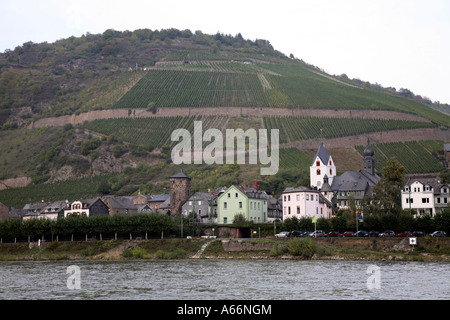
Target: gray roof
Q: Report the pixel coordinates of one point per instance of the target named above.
(180, 175)
(205, 196)
(159, 197)
(354, 181)
(121, 203)
(299, 189)
(425, 180)
(322, 153)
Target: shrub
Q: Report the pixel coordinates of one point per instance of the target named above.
(304, 247)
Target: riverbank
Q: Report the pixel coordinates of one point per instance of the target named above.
(372, 249)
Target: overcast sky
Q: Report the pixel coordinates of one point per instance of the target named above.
(398, 43)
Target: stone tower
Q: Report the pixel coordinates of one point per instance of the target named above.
(180, 191)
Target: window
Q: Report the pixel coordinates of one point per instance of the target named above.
(224, 205)
(240, 204)
(236, 195)
(298, 209)
(318, 172)
(289, 198)
(289, 210)
(199, 203)
(199, 211)
(307, 196)
(318, 163)
(298, 197)
(331, 171)
(190, 203)
(224, 220)
(445, 200)
(284, 198)
(331, 163)
(438, 200)
(425, 200)
(229, 195)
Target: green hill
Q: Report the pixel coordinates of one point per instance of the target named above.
(162, 72)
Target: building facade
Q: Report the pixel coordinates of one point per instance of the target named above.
(425, 195)
(250, 203)
(303, 202)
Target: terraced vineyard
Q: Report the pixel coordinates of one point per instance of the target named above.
(413, 155)
(170, 88)
(294, 158)
(155, 132)
(302, 128)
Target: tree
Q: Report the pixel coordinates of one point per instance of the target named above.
(386, 194)
(394, 172)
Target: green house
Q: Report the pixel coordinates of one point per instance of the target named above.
(250, 203)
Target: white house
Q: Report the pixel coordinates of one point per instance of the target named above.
(322, 165)
(425, 195)
(303, 202)
(418, 195)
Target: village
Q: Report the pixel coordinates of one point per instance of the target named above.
(327, 194)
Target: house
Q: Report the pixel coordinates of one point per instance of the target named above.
(120, 205)
(248, 202)
(203, 205)
(441, 197)
(88, 207)
(425, 194)
(4, 212)
(157, 200)
(304, 202)
(274, 209)
(141, 199)
(33, 210)
(35, 207)
(447, 153)
(53, 210)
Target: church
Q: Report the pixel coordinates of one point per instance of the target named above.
(351, 184)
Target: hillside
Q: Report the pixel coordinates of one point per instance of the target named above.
(99, 104)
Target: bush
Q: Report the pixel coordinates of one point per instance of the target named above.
(304, 247)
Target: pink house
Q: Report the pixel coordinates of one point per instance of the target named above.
(304, 202)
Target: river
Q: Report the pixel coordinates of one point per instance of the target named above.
(220, 279)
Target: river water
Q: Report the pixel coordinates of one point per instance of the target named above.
(221, 279)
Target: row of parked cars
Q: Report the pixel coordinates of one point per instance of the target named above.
(360, 233)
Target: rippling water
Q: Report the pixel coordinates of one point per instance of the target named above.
(223, 279)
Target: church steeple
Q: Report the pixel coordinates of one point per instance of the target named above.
(369, 160)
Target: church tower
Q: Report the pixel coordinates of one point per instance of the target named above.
(180, 191)
(322, 165)
(369, 159)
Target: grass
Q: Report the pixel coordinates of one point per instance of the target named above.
(296, 248)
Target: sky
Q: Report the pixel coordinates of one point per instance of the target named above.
(396, 43)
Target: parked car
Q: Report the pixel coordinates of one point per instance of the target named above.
(404, 234)
(332, 234)
(438, 234)
(418, 234)
(283, 234)
(387, 233)
(347, 234)
(361, 233)
(374, 233)
(317, 233)
(296, 233)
